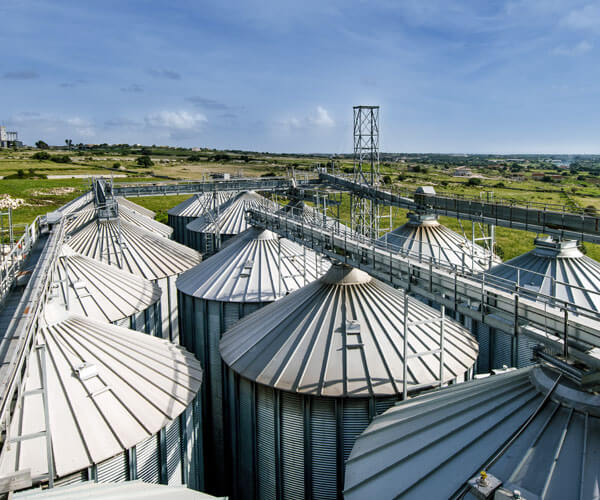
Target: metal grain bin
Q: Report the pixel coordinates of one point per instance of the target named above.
(556, 273)
(140, 252)
(307, 374)
(82, 217)
(192, 208)
(431, 446)
(208, 233)
(120, 405)
(424, 238)
(253, 269)
(90, 288)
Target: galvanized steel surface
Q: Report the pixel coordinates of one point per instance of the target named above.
(132, 248)
(138, 384)
(428, 447)
(113, 491)
(230, 218)
(256, 266)
(125, 203)
(96, 290)
(554, 269)
(200, 203)
(341, 336)
(423, 237)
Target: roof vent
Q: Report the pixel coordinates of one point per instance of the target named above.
(86, 371)
(352, 327)
(247, 268)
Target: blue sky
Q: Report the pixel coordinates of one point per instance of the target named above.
(282, 76)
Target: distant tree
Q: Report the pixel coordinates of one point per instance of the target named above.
(386, 179)
(193, 158)
(474, 181)
(41, 145)
(145, 161)
(61, 159)
(546, 178)
(499, 185)
(590, 210)
(41, 155)
(145, 152)
(69, 143)
(21, 173)
(116, 164)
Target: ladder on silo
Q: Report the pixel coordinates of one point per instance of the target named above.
(432, 352)
(13, 481)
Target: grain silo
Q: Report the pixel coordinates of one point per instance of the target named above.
(126, 203)
(82, 217)
(140, 252)
(307, 373)
(208, 233)
(189, 210)
(120, 405)
(253, 269)
(556, 273)
(525, 432)
(87, 287)
(423, 238)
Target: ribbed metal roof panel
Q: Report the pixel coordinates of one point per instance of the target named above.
(342, 336)
(247, 269)
(428, 447)
(142, 383)
(425, 238)
(97, 290)
(298, 208)
(126, 214)
(132, 248)
(230, 218)
(553, 268)
(114, 491)
(125, 203)
(200, 203)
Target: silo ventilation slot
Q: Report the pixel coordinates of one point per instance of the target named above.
(86, 371)
(352, 327)
(247, 268)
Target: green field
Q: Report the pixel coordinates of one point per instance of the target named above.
(27, 181)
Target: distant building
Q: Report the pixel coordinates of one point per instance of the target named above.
(462, 172)
(8, 139)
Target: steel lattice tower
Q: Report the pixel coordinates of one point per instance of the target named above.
(364, 212)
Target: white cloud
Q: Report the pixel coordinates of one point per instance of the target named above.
(319, 117)
(180, 120)
(586, 18)
(580, 48)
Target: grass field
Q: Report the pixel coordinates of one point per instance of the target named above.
(41, 195)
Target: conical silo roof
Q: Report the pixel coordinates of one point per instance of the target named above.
(125, 203)
(556, 269)
(429, 446)
(230, 218)
(298, 208)
(82, 217)
(423, 237)
(109, 388)
(341, 336)
(247, 269)
(200, 203)
(132, 248)
(96, 290)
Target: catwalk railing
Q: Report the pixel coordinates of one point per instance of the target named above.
(545, 218)
(192, 187)
(458, 286)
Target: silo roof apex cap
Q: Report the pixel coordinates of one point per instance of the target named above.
(341, 274)
(549, 247)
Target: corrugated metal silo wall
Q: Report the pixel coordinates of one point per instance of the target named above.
(206, 243)
(146, 321)
(178, 224)
(173, 456)
(169, 312)
(496, 348)
(290, 446)
(202, 324)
